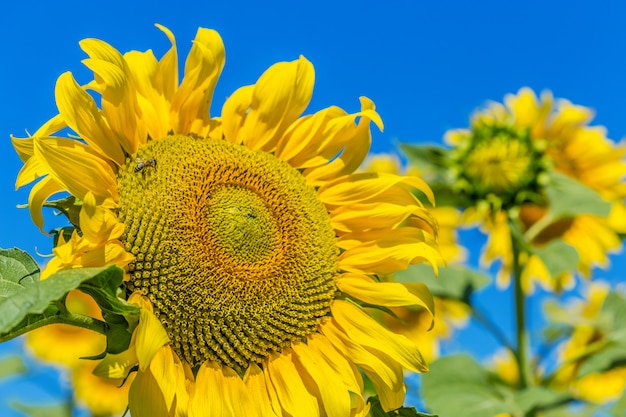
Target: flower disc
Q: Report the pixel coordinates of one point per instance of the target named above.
(232, 247)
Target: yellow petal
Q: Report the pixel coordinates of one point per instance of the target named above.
(145, 398)
(32, 169)
(237, 395)
(151, 336)
(359, 217)
(340, 364)
(119, 104)
(365, 331)
(388, 294)
(283, 378)
(23, 147)
(76, 168)
(167, 76)
(334, 395)
(524, 107)
(97, 223)
(307, 136)
(234, 113)
(165, 373)
(204, 64)
(257, 389)
(359, 188)
(386, 252)
(39, 194)
(355, 151)
(80, 112)
(280, 95)
(211, 395)
(384, 371)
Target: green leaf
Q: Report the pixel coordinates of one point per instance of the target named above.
(32, 301)
(453, 282)
(613, 355)
(428, 159)
(568, 198)
(457, 386)
(53, 410)
(538, 397)
(376, 410)
(17, 270)
(11, 365)
(558, 257)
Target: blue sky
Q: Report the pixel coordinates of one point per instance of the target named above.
(426, 64)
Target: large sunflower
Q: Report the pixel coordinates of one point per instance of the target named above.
(502, 157)
(249, 241)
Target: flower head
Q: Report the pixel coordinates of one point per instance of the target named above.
(503, 160)
(250, 242)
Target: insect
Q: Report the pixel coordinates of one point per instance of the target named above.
(143, 163)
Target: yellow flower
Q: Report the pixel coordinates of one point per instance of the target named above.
(248, 239)
(504, 365)
(588, 336)
(557, 135)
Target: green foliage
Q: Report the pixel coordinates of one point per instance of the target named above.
(558, 257)
(376, 410)
(54, 410)
(568, 198)
(11, 365)
(28, 303)
(452, 282)
(456, 385)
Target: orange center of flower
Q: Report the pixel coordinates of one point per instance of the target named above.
(232, 247)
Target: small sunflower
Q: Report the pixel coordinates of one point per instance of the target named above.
(590, 329)
(250, 242)
(503, 159)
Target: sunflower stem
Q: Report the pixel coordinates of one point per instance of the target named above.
(71, 319)
(522, 336)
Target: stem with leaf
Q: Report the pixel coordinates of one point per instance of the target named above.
(66, 317)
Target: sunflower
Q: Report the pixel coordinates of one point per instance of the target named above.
(503, 159)
(591, 327)
(250, 242)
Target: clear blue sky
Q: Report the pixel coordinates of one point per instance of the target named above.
(426, 64)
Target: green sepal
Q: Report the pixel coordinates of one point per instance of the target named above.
(376, 410)
(69, 206)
